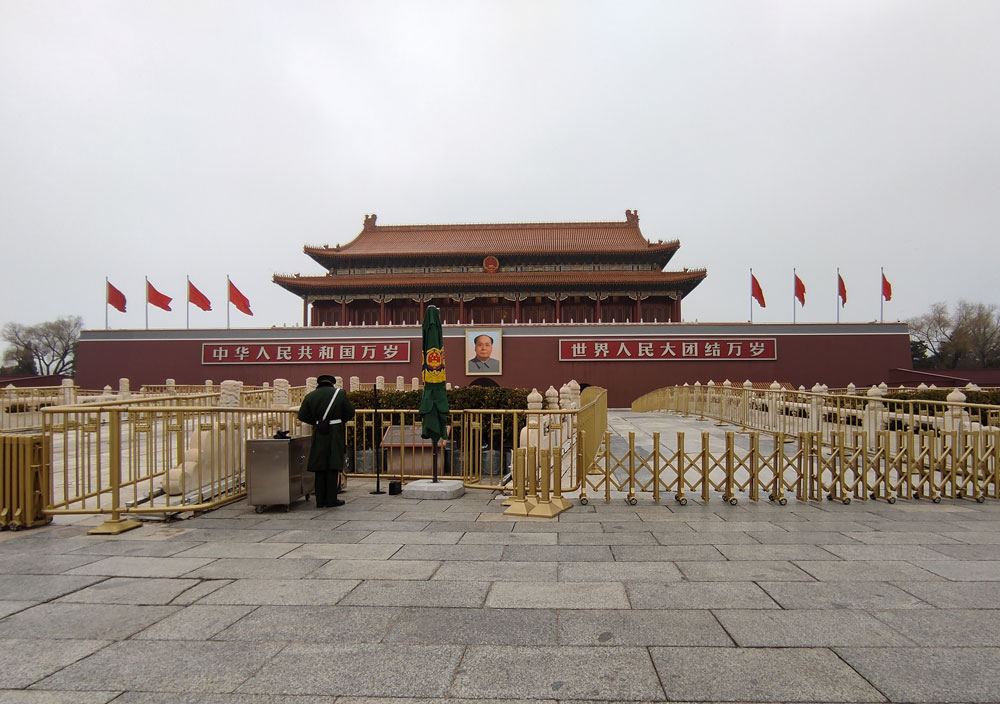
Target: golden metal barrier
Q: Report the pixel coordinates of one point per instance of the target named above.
(23, 481)
(851, 466)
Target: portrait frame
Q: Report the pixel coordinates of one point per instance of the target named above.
(496, 337)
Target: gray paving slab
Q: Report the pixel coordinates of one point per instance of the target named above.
(805, 537)
(241, 550)
(510, 538)
(929, 674)
(37, 588)
(201, 666)
(86, 621)
(954, 595)
(216, 535)
(24, 662)
(410, 537)
(279, 592)
(29, 563)
(197, 622)
(699, 595)
(337, 670)
(23, 696)
(641, 627)
(845, 595)
(125, 566)
(899, 537)
(376, 569)
(557, 595)
(416, 593)
(136, 548)
(868, 570)
(636, 538)
(788, 551)
(884, 552)
(12, 607)
(477, 553)
(557, 553)
(759, 675)
(320, 535)
(962, 552)
(258, 568)
(684, 537)
(619, 674)
(498, 571)
(619, 572)
(317, 624)
(205, 698)
(665, 553)
(461, 626)
(341, 551)
(130, 590)
(751, 571)
(808, 628)
(945, 627)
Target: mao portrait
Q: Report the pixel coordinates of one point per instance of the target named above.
(483, 352)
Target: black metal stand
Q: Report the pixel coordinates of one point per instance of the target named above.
(377, 445)
(435, 460)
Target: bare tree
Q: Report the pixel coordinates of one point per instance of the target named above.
(968, 338)
(51, 345)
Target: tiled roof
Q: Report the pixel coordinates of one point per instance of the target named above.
(499, 281)
(497, 239)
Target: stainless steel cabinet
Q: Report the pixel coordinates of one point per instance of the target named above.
(276, 472)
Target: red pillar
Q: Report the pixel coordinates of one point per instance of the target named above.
(558, 310)
(305, 311)
(517, 310)
(638, 309)
(343, 312)
(597, 309)
(381, 312)
(461, 310)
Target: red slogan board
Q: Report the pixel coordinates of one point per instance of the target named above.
(305, 352)
(661, 348)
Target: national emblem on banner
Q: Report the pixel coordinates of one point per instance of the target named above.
(433, 371)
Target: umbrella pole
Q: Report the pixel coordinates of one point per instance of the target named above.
(435, 460)
(377, 444)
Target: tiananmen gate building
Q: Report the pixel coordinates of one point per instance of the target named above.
(590, 301)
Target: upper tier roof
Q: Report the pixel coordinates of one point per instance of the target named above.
(496, 239)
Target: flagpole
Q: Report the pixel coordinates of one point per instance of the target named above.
(147, 303)
(881, 296)
(751, 294)
(106, 282)
(229, 300)
(793, 295)
(838, 294)
(188, 307)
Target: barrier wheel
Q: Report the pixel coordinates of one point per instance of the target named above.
(846, 500)
(13, 527)
(632, 501)
(782, 501)
(936, 499)
(872, 496)
(584, 501)
(258, 509)
(733, 501)
(980, 499)
(681, 500)
(770, 497)
(891, 499)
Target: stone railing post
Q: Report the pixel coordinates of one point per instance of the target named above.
(338, 381)
(415, 384)
(311, 384)
(872, 419)
(355, 383)
(552, 399)
(956, 418)
(400, 383)
(380, 383)
(816, 406)
(229, 393)
(280, 399)
(67, 392)
(773, 403)
(123, 392)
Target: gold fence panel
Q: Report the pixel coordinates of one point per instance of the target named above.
(23, 481)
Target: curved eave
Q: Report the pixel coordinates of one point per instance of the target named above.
(684, 281)
(332, 258)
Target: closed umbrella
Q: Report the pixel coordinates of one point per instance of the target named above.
(434, 401)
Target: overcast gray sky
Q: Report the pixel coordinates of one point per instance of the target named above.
(210, 137)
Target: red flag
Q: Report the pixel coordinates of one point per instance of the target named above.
(241, 302)
(756, 291)
(886, 288)
(197, 297)
(115, 297)
(160, 300)
(800, 290)
(841, 290)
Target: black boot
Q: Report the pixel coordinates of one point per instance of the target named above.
(335, 502)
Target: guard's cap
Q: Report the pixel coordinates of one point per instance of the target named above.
(326, 379)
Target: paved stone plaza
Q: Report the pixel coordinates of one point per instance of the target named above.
(389, 599)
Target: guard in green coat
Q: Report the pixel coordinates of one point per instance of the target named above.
(327, 409)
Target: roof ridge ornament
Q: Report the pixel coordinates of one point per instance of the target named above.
(632, 217)
(370, 221)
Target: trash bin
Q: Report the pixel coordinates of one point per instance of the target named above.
(276, 472)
